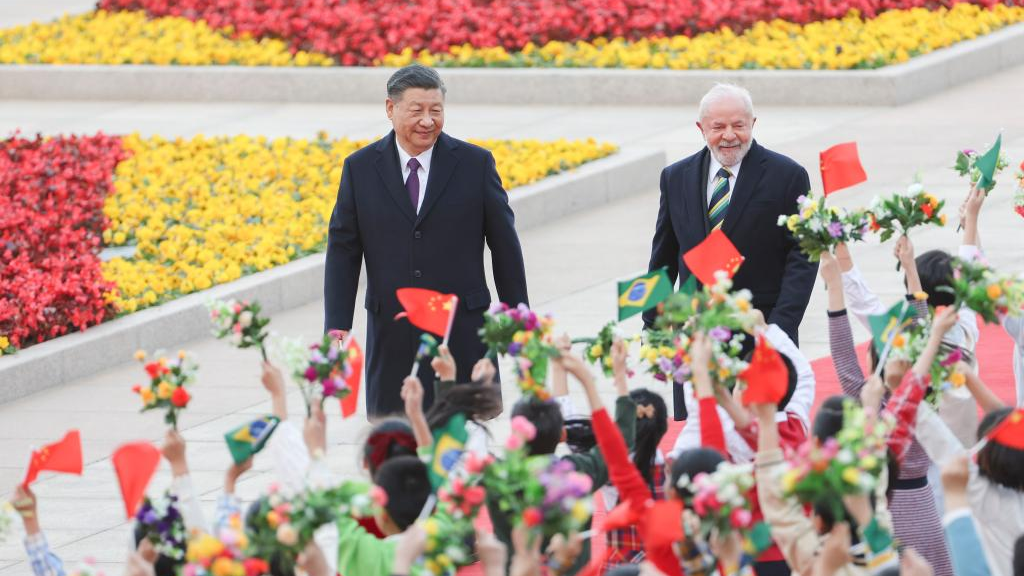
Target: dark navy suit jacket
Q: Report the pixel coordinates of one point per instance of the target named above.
(441, 248)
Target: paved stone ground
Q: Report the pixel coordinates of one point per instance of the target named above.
(571, 264)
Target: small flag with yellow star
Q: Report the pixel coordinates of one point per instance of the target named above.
(62, 456)
(428, 310)
(247, 440)
(643, 293)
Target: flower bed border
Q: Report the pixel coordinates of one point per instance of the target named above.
(81, 354)
(893, 85)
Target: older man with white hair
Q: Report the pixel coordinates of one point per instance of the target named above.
(736, 185)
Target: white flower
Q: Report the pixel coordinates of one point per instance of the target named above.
(245, 319)
(782, 220)
(236, 339)
(683, 482)
(845, 456)
(915, 188)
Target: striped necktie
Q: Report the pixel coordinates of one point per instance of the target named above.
(719, 198)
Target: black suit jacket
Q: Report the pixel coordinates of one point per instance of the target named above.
(775, 270)
(441, 248)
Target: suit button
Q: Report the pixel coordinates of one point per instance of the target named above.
(417, 273)
(417, 235)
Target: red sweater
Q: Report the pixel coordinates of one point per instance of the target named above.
(630, 484)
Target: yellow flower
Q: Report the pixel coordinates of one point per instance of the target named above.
(789, 480)
(742, 304)
(942, 219)
(164, 390)
(792, 222)
(147, 396)
(580, 512)
(899, 341)
(994, 291)
(869, 462)
(667, 352)
(4, 343)
(140, 355)
(852, 476)
(957, 379)
(226, 567)
(920, 295)
(430, 527)
(596, 350)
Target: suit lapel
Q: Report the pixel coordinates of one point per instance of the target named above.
(442, 165)
(750, 175)
(694, 213)
(391, 175)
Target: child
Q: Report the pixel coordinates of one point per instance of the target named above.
(42, 559)
(916, 520)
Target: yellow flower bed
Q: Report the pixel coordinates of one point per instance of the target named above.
(206, 211)
(131, 38)
(851, 42)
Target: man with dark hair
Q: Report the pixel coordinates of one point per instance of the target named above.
(418, 206)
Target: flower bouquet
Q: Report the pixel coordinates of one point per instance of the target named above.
(450, 528)
(598, 350)
(544, 494)
(167, 382)
(989, 293)
(966, 165)
(240, 323)
(161, 523)
(324, 371)
(226, 553)
(522, 334)
(666, 356)
(899, 213)
(908, 345)
(282, 526)
(819, 228)
(850, 463)
(722, 499)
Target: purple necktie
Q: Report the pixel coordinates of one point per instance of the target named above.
(412, 184)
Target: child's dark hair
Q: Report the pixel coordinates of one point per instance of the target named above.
(829, 421)
(579, 435)
(649, 431)
(1000, 464)
(546, 417)
(388, 439)
(935, 267)
(404, 479)
(692, 462)
(474, 401)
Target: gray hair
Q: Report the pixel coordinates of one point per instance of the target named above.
(720, 91)
(414, 76)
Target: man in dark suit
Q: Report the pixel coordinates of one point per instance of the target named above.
(739, 186)
(418, 205)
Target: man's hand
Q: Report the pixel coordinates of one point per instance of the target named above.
(174, 451)
(24, 502)
(315, 431)
(339, 336)
(954, 482)
(234, 473)
(443, 364)
(412, 393)
(484, 371)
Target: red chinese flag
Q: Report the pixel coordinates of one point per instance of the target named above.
(63, 456)
(663, 523)
(841, 168)
(1010, 432)
(715, 253)
(426, 309)
(350, 403)
(766, 377)
(135, 463)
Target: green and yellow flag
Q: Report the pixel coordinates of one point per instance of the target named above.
(248, 439)
(643, 293)
(886, 325)
(449, 443)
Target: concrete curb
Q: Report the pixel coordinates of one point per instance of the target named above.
(893, 85)
(59, 361)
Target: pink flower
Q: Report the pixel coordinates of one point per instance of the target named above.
(740, 518)
(379, 496)
(311, 373)
(237, 328)
(474, 464)
(532, 517)
(514, 442)
(475, 495)
(523, 427)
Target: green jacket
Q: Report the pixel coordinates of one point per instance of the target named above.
(590, 463)
(361, 553)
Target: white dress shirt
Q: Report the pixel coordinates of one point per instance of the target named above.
(423, 171)
(713, 168)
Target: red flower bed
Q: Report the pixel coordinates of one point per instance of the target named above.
(356, 32)
(51, 225)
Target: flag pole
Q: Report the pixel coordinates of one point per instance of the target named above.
(415, 366)
(451, 320)
(888, 343)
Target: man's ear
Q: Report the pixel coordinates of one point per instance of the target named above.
(752, 122)
(700, 128)
(389, 108)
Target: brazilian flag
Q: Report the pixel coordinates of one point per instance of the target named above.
(248, 439)
(643, 293)
(449, 443)
(885, 326)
